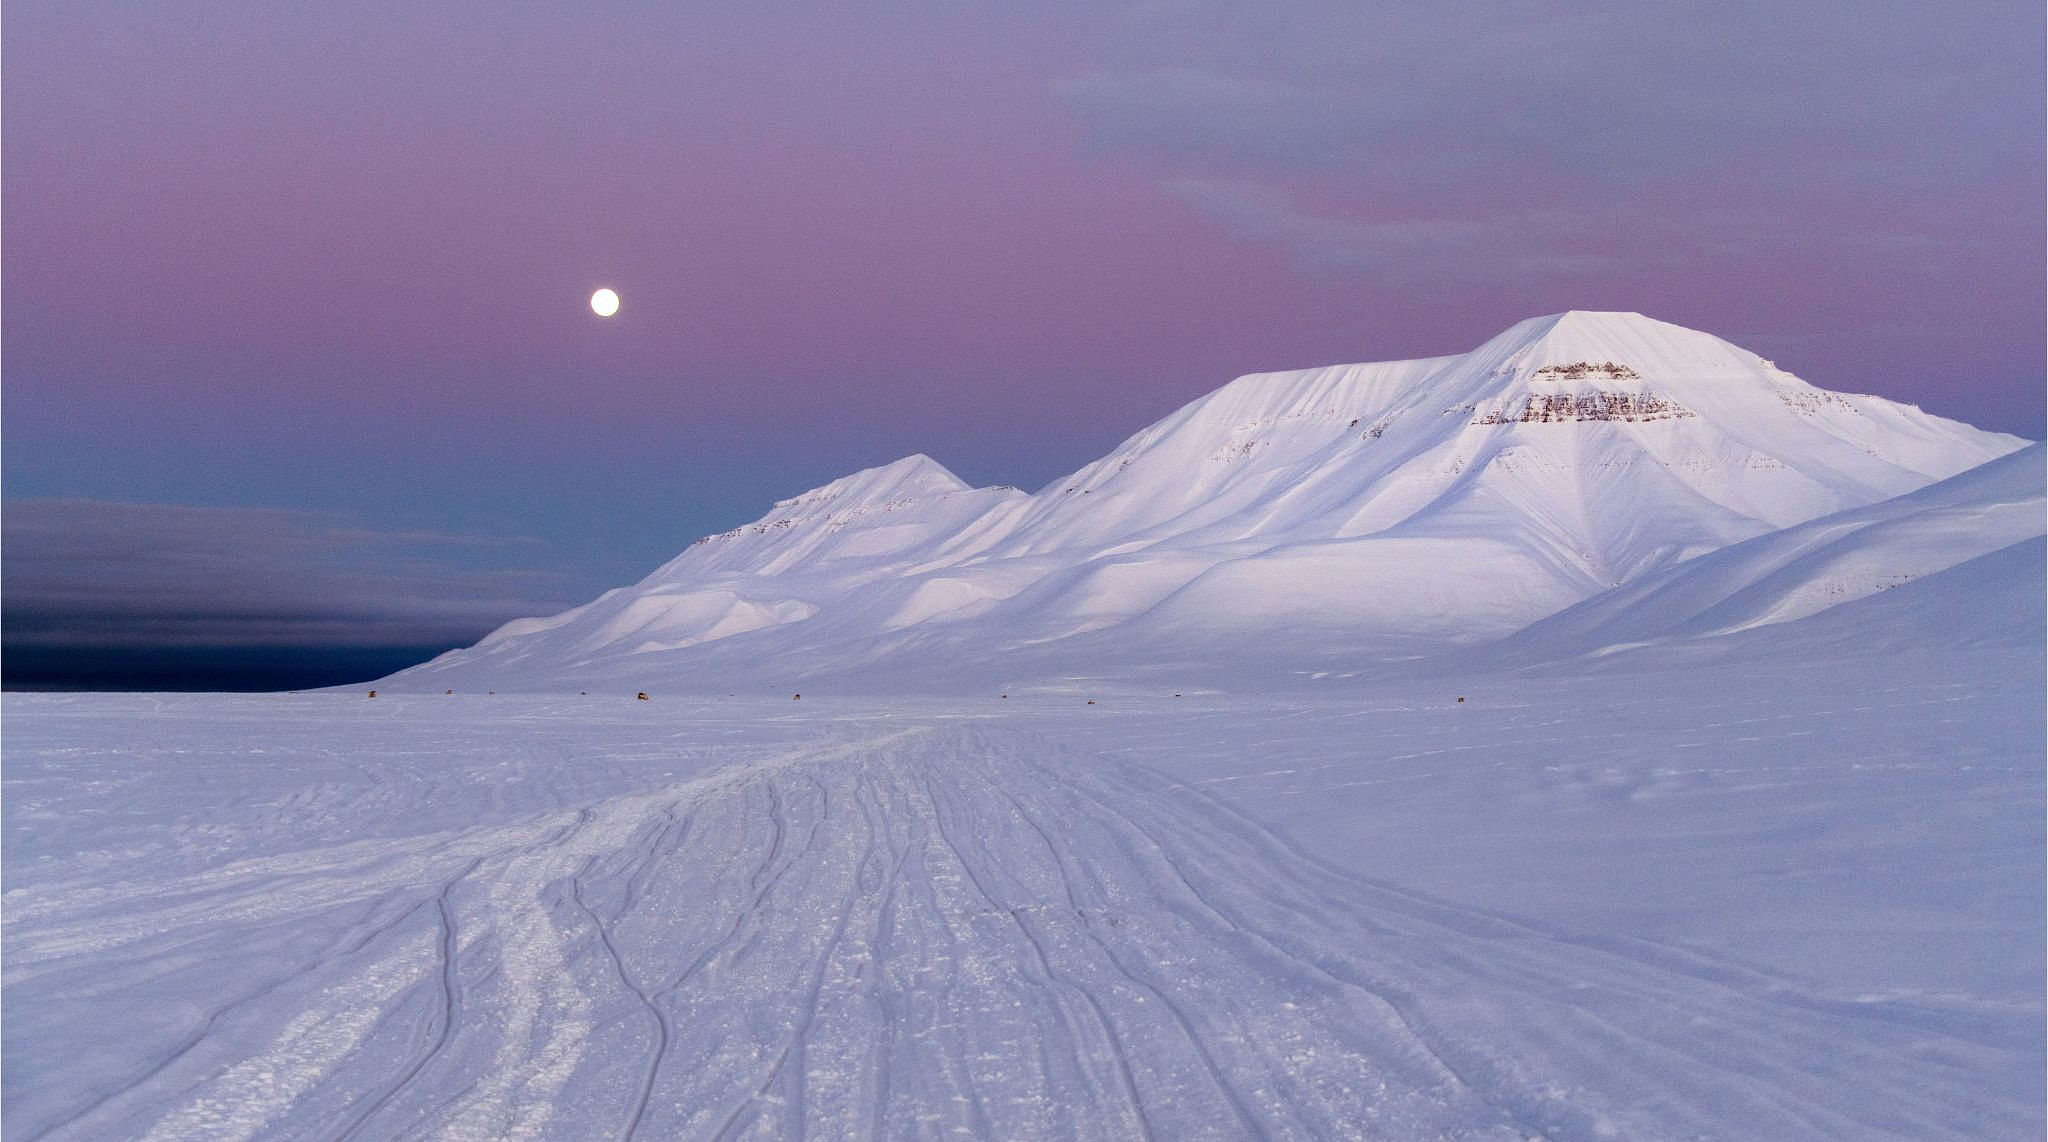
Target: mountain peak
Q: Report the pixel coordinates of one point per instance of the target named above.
(1587, 325)
(913, 477)
(1605, 315)
(1610, 345)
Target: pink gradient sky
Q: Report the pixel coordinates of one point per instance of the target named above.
(336, 258)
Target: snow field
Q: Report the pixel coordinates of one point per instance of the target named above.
(322, 916)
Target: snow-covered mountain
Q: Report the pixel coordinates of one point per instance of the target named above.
(1294, 519)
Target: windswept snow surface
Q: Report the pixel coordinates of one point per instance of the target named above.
(1782, 901)
(1307, 520)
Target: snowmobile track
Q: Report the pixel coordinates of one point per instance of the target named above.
(943, 931)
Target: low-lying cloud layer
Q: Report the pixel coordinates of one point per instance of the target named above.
(91, 574)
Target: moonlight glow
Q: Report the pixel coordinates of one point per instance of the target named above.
(604, 303)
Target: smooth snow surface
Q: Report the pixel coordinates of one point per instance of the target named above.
(1782, 901)
(1789, 575)
(1301, 521)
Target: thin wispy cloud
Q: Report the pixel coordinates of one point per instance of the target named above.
(1542, 133)
(1471, 249)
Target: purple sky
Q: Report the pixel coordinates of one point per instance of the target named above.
(333, 259)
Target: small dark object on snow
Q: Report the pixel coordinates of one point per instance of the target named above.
(1176, 695)
(451, 691)
(796, 698)
(373, 693)
(1461, 701)
(1091, 701)
(642, 695)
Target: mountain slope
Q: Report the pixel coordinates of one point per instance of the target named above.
(1310, 516)
(874, 525)
(1790, 575)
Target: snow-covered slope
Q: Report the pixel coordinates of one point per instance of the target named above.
(1359, 510)
(1814, 567)
(875, 525)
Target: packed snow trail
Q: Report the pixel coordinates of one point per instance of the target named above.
(937, 930)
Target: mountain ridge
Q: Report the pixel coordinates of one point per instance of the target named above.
(1323, 513)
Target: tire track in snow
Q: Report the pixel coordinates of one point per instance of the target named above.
(1649, 1040)
(243, 1100)
(946, 930)
(1117, 1054)
(447, 945)
(662, 1033)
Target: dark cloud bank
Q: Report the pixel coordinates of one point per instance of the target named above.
(99, 595)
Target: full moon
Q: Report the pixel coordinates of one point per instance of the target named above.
(604, 303)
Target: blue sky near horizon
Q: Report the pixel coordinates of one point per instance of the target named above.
(294, 302)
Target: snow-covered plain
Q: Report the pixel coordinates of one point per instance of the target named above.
(1795, 900)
